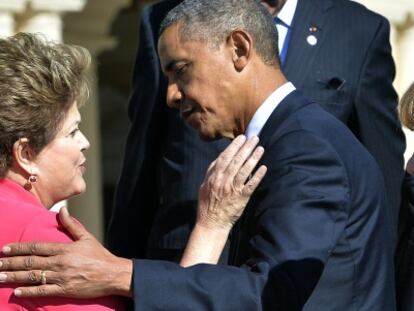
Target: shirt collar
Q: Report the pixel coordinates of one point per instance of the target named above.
(287, 13)
(263, 113)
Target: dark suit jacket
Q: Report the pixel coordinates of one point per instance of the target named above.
(315, 234)
(349, 72)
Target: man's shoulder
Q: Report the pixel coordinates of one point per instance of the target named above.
(353, 10)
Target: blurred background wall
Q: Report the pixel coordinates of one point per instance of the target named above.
(109, 29)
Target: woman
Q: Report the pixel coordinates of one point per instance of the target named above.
(42, 162)
(41, 150)
(404, 257)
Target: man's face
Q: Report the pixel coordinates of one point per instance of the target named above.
(201, 83)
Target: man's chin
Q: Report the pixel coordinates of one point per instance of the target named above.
(207, 137)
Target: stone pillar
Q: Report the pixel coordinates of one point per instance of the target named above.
(406, 77)
(45, 16)
(47, 23)
(7, 11)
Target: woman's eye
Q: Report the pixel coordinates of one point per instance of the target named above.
(73, 133)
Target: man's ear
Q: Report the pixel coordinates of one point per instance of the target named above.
(23, 155)
(242, 48)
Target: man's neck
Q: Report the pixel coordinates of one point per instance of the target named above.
(261, 88)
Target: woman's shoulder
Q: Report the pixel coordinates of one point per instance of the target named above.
(20, 218)
(46, 227)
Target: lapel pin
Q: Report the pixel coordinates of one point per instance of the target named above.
(313, 29)
(312, 40)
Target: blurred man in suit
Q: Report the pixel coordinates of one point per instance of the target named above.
(335, 51)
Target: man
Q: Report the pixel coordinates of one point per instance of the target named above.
(336, 52)
(315, 235)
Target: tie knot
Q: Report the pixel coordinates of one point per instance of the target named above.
(278, 21)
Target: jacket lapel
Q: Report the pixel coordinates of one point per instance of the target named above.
(306, 38)
(286, 107)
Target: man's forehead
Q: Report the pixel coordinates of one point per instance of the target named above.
(169, 43)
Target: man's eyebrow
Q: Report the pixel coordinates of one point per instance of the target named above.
(172, 65)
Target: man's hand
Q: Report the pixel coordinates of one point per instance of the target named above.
(82, 269)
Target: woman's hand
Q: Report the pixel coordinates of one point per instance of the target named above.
(223, 196)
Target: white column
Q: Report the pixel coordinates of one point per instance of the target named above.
(6, 24)
(47, 23)
(405, 75)
(7, 10)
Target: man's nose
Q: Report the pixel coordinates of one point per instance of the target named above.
(174, 96)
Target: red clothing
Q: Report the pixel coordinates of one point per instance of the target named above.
(23, 219)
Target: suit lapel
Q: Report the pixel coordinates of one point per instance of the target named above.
(300, 54)
(286, 107)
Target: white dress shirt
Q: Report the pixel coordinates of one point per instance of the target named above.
(262, 114)
(286, 16)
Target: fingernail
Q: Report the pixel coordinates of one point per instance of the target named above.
(6, 249)
(241, 137)
(255, 138)
(17, 292)
(3, 277)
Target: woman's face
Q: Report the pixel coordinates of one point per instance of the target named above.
(61, 164)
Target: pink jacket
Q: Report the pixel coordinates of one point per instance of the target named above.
(23, 219)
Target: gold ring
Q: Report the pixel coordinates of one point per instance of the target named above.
(42, 277)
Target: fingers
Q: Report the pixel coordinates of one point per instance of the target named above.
(25, 263)
(240, 158)
(252, 184)
(228, 154)
(29, 277)
(32, 248)
(243, 173)
(51, 290)
(76, 230)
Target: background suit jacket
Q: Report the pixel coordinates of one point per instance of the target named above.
(315, 234)
(164, 163)
(349, 72)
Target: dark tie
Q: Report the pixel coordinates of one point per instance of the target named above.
(283, 51)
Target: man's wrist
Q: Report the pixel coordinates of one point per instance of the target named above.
(122, 283)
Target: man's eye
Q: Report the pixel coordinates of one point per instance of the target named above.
(181, 69)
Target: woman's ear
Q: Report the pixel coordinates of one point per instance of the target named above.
(23, 155)
(242, 45)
